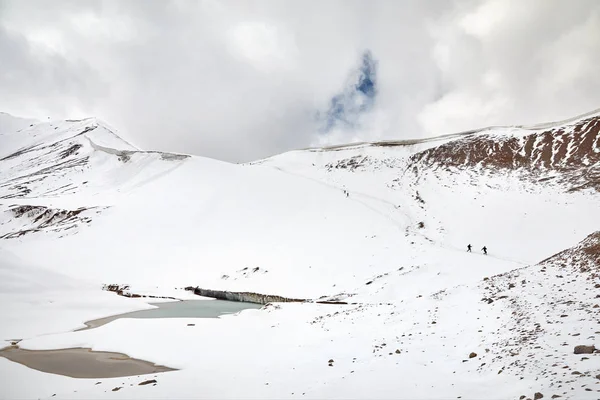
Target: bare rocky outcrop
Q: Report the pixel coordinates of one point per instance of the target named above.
(248, 297)
(45, 219)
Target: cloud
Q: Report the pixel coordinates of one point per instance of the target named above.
(35, 80)
(356, 99)
(510, 62)
(241, 80)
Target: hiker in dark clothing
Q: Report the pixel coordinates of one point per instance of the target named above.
(484, 250)
(468, 248)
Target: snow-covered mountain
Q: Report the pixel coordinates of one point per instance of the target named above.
(382, 226)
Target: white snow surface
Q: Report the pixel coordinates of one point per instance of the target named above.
(10, 123)
(394, 248)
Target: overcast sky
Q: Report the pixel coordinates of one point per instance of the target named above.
(241, 80)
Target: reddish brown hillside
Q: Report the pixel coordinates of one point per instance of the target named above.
(570, 153)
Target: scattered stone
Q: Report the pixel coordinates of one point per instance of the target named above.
(191, 324)
(537, 396)
(584, 349)
(472, 355)
(398, 351)
(147, 382)
(117, 389)
(97, 383)
(556, 396)
(368, 283)
(575, 373)
(522, 397)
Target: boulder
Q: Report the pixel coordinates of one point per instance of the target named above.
(584, 349)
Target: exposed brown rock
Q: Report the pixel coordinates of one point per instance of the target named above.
(584, 349)
(572, 149)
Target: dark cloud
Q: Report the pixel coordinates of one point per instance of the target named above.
(240, 80)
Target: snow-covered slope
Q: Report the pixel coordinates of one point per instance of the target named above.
(70, 170)
(10, 123)
(381, 225)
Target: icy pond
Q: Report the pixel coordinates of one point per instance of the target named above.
(85, 363)
(180, 309)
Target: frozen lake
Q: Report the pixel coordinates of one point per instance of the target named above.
(181, 309)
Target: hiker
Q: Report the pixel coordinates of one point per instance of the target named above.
(484, 250)
(347, 193)
(469, 248)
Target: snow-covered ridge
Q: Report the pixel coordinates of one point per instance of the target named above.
(9, 123)
(566, 153)
(457, 135)
(51, 159)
